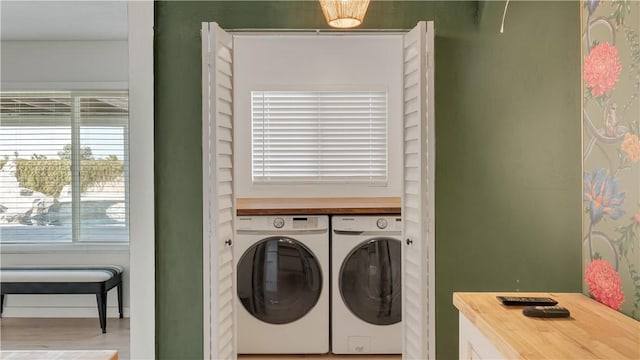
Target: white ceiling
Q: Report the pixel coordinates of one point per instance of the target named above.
(63, 20)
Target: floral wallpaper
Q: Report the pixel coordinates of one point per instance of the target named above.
(611, 153)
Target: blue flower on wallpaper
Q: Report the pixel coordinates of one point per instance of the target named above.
(602, 194)
(592, 5)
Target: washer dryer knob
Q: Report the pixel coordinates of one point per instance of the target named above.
(381, 223)
(278, 222)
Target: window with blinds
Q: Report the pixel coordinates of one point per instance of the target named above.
(64, 167)
(319, 137)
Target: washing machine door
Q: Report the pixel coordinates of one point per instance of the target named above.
(279, 280)
(370, 281)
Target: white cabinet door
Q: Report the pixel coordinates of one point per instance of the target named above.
(473, 345)
(418, 211)
(217, 190)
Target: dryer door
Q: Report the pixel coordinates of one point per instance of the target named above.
(279, 280)
(370, 281)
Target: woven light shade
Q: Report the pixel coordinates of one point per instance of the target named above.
(344, 13)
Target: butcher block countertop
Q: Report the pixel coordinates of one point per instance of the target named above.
(593, 331)
(318, 206)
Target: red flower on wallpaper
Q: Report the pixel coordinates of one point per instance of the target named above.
(601, 68)
(604, 283)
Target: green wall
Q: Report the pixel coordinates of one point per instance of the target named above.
(508, 149)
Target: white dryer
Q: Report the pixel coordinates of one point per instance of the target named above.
(366, 302)
(282, 284)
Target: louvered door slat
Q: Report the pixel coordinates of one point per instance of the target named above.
(218, 203)
(417, 200)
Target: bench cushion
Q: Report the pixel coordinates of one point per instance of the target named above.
(81, 273)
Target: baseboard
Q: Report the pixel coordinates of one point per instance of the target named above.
(60, 312)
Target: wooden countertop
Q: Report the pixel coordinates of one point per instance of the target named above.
(318, 206)
(59, 355)
(593, 331)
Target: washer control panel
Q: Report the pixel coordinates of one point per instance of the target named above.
(278, 223)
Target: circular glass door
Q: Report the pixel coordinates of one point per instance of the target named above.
(279, 280)
(370, 281)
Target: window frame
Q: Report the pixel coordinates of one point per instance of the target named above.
(75, 124)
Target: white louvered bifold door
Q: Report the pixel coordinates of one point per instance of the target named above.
(418, 251)
(218, 203)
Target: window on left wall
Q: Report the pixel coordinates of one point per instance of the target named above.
(64, 166)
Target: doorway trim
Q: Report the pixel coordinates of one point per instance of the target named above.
(141, 208)
(423, 239)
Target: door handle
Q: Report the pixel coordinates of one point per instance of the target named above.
(228, 242)
(409, 241)
(347, 232)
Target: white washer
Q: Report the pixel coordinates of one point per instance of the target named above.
(282, 284)
(366, 302)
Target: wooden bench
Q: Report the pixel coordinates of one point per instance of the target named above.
(85, 279)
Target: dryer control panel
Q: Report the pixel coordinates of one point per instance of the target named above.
(366, 223)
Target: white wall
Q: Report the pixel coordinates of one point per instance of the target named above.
(316, 62)
(64, 65)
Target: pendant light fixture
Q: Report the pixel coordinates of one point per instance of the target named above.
(344, 14)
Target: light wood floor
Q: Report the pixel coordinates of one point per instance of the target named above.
(85, 334)
(64, 334)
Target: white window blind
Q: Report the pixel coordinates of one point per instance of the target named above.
(319, 136)
(64, 167)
